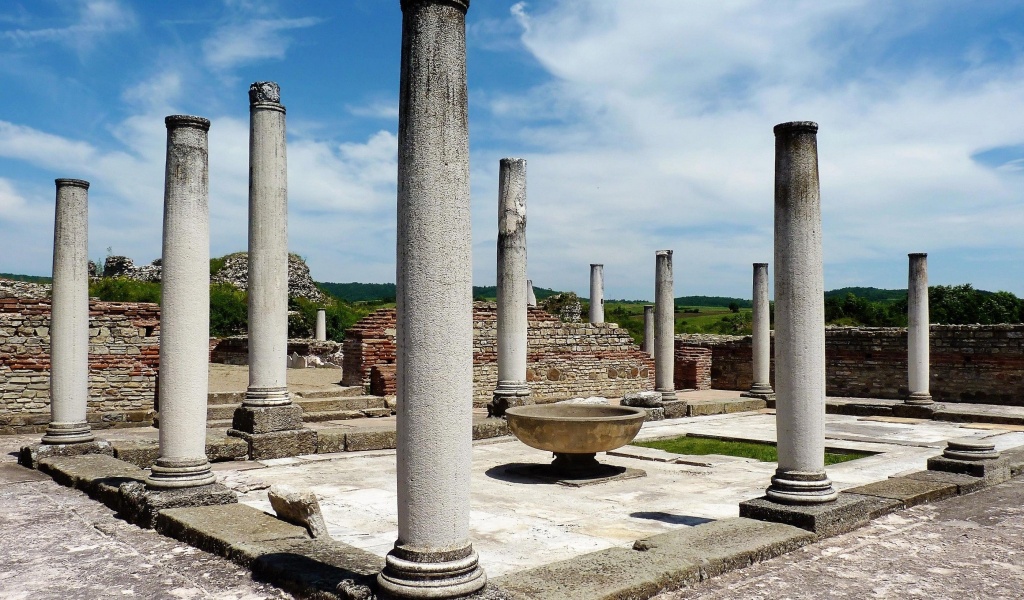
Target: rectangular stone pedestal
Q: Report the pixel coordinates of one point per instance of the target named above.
(993, 470)
(267, 419)
(278, 444)
(141, 505)
(30, 456)
(847, 512)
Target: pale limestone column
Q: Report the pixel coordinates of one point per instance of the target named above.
(433, 557)
(917, 331)
(268, 249)
(761, 340)
(799, 320)
(649, 329)
(321, 325)
(184, 308)
(596, 294)
(665, 326)
(531, 296)
(69, 317)
(512, 389)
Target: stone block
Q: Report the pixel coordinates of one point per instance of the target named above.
(267, 419)
(993, 470)
(82, 472)
(217, 528)
(489, 428)
(142, 506)
(910, 492)
(654, 414)
(279, 444)
(965, 484)
(309, 568)
(643, 399)
(220, 447)
(847, 512)
(674, 409)
(30, 456)
(380, 439)
(915, 411)
(141, 453)
(330, 440)
(298, 508)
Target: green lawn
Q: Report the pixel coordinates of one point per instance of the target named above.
(756, 450)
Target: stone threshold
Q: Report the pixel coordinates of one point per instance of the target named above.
(286, 555)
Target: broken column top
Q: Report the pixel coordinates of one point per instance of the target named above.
(760, 264)
(663, 253)
(918, 255)
(72, 182)
(264, 92)
(187, 121)
(463, 4)
(795, 126)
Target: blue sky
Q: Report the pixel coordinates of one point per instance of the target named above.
(646, 124)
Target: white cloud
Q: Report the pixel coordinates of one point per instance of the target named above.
(95, 19)
(246, 42)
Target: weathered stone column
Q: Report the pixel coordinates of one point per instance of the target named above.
(799, 320)
(268, 420)
(596, 294)
(69, 317)
(531, 296)
(917, 331)
(649, 329)
(512, 288)
(184, 309)
(665, 326)
(321, 325)
(761, 340)
(433, 557)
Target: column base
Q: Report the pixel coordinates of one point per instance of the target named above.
(760, 390)
(667, 395)
(68, 433)
(507, 395)
(271, 396)
(970, 450)
(412, 573)
(267, 419)
(801, 487)
(919, 398)
(278, 444)
(141, 505)
(168, 474)
(29, 456)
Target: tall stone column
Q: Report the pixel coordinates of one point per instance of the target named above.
(917, 331)
(268, 420)
(512, 389)
(649, 329)
(799, 320)
(761, 340)
(433, 557)
(665, 326)
(596, 294)
(321, 325)
(184, 309)
(69, 317)
(531, 296)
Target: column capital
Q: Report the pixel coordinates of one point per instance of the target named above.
(918, 255)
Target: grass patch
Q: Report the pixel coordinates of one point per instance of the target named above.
(756, 450)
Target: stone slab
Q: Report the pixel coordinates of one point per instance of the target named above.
(656, 564)
(216, 529)
(278, 444)
(1014, 460)
(858, 409)
(847, 512)
(83, 472)
(309, 568)
(142, 506)
(143, 453)
(267, 419)
(643, 453)
(489, 428)
(329, 441)
(548, 474)
(30, 455)
(15, 473)
(373, 439)
(654, 414)
(698, 408)
(994, 470)
(965, 484)
(910, 492)
(915, 411)
(674, 409)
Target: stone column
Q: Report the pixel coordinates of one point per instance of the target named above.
(649, 329)
(184, 309)
(761, 340)
(531, 297)
(321, 325)
(268, 420)
(917, 331)
(799, 320)
(596, 294)
(512, 288)
(69, 317)
(433, 557)
(665, 326)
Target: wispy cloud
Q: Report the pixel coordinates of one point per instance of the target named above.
(259, 39)
(94, 19)
(377, 109)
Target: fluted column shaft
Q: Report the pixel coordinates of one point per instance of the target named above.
(799, 320)
(433, 557)
(69, 316)
(918, 331)
(665, 326)
(184, 308)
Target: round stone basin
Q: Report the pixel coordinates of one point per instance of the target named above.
(575, 428)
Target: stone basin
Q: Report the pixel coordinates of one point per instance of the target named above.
(575, 428)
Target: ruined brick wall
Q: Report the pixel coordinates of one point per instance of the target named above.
(234, 350)
(563, 360)
(692, 367)
(969, 363)
(124, 356)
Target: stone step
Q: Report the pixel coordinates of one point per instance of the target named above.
(340, 391)
(216, 412)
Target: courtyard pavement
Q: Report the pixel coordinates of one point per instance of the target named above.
(57, 539)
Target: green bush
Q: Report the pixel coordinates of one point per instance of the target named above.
(122, 289)
(339, 316)
(229, 310)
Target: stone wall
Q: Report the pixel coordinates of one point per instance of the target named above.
(124, 356)
(234, 350)
(563, 360)
(692, 367)
(969, 363)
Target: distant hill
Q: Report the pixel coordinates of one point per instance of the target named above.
(369, 292)
(29, 278)
(712, 301)
(869, 293)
